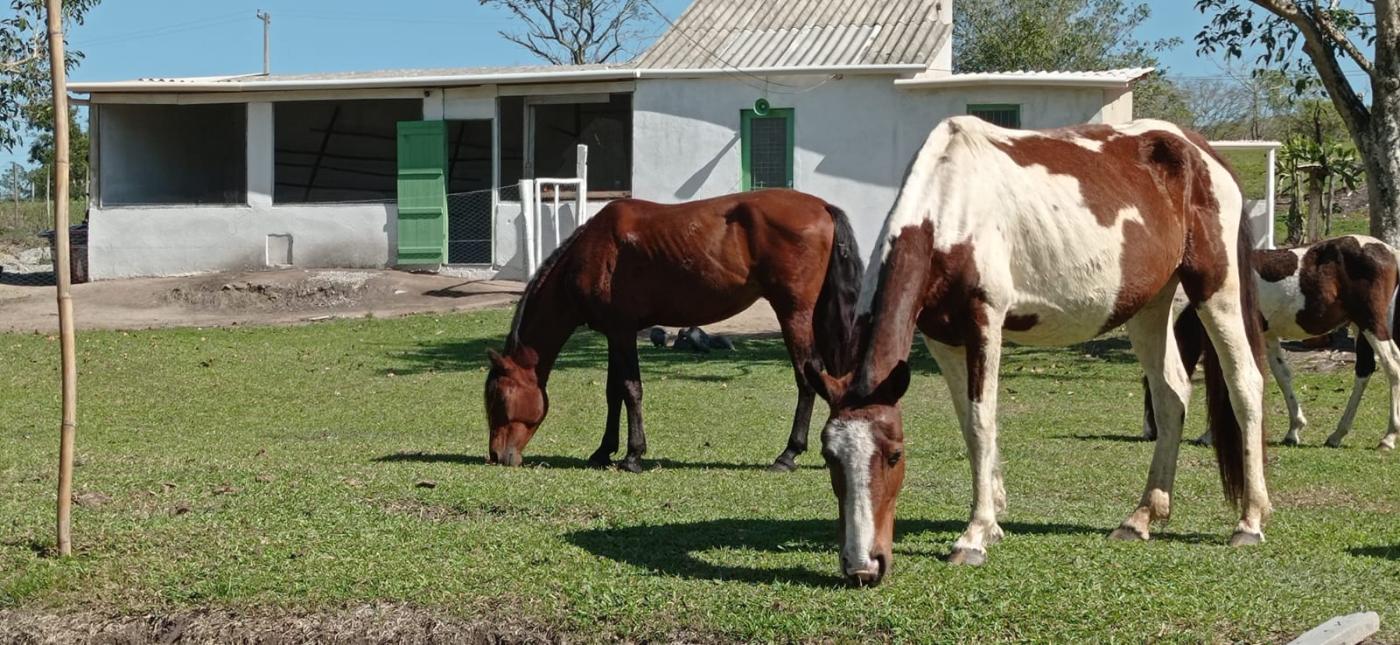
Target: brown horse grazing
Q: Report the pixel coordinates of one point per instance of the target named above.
(637, 264)
(1047, 238)
(1311, 291)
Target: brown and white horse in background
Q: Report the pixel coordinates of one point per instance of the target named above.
(1311, 291)
(1046, 238)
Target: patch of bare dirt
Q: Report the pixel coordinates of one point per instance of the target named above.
(250, 298)
(378, 623)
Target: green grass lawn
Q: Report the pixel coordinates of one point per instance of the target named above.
(284, 470)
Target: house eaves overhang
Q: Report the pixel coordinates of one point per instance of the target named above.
(255, 83)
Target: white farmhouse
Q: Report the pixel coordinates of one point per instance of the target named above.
(412, 167)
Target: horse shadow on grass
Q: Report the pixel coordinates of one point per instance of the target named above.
(588, 350)
(673, 549)
(1384, 552)
(570, 463)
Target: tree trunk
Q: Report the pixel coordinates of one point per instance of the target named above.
(1315, 205)
(1383, 165)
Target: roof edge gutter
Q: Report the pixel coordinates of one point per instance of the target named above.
(239, 84)
(781, 71)
(353, 83)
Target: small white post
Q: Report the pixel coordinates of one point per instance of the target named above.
(555, 215)
(581, 171)
(527, 217)
(1269, 196)
(537, 213)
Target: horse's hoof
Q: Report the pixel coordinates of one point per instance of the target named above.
(782, 465)
(1126, 534)
(1333, 443)
(1246, 538)
(599, 462)
(967, 557)
(1290, 441)
(1385, 447)
(630, 465)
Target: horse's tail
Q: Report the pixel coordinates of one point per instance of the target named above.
(835, 316)
(1228, 437)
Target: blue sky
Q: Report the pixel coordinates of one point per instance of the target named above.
(126, 39)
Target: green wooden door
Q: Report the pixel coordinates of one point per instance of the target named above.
(422, 192)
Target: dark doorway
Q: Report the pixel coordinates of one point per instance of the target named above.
(469, 196)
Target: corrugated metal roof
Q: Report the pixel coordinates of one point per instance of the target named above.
(800, 33)
(1102, 78)
(444, 72)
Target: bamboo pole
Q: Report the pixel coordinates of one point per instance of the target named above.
(68, 429)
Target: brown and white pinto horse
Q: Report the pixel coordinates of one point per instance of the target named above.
(1046, 238)
(1311, 291)
(636, 264)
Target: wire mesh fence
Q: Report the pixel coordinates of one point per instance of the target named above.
(469, 226)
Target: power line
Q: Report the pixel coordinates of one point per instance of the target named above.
(152, 32)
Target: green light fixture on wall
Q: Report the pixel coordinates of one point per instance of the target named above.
(761, 107)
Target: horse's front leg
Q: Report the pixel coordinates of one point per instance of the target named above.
(1278, 365)
(983, 365)
(602, 457)
(797, 335)
(631, 383)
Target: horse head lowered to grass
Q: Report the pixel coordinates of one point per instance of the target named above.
(1047, 238)
(637, 264)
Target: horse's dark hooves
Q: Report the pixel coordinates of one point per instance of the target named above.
(783, 464)
(630, 465)
(1290, 441)
(600, 461)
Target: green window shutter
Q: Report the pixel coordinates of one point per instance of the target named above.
(422, 192)
(1006, 115)
(768, 147)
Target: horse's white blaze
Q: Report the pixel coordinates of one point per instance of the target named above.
(853, 445)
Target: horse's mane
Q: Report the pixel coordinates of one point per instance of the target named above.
(532, 288)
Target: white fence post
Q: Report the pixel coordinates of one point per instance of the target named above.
(527, 216)
(581, 171)
(1269, 194)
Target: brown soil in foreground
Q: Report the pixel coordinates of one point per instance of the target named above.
(380, 623)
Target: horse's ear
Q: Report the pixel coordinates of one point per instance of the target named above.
(496, 358)
(894, 387)
(830, 388)
(816, 380)
(526, 357)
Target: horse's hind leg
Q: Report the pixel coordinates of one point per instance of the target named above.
(1169, 390)
(1223, 317)
(602, 457)
(797, 335)
(1364, 368)
(632, 400)
(1388, 356)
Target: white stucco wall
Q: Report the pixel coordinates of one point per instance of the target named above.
(133, 242)
(171, 240)
(854, 136)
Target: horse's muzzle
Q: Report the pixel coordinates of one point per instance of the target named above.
(507, 457)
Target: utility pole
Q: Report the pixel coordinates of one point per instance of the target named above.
(266, 19)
